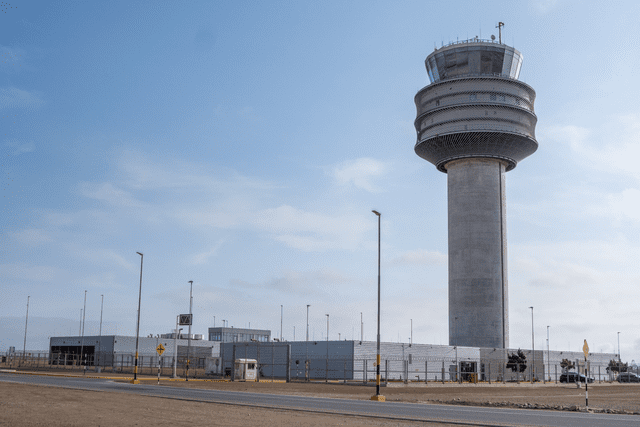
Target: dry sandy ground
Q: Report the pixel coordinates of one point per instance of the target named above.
(33, 405)
(26, 405)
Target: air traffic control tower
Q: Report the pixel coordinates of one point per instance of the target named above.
(475, 121)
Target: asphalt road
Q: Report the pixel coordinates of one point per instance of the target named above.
(481, 416)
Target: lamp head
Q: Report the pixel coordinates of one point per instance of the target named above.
(139, 253)
(376, 212)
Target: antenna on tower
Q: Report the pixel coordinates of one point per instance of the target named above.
(499, 27)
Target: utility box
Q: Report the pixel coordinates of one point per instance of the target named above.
(212, 366)
(246, 369)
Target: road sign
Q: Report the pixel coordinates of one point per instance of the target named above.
(160, 349)
(585, 350)
(185, 319)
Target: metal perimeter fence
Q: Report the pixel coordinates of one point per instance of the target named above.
(273, 366)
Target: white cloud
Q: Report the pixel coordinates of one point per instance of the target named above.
(312, 231)
(360, 173)
(110, 194)
(612, 147)
(36, 273)
(105, 258)
(299, 283)
(544, 6)
(12, 97)
(420, 257)
(142, 173)
(31, 236)
(624, 205)
(20, 147)
(203, 257)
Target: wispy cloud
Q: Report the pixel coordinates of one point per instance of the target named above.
(299, 283)
(360, 173)
(203, 257)
(20, 147)
(543, 6)
(611, 147)
(311, 231)
(31, 236)
(36, 273)
(420, 257)
(12, 97)
(110, 194)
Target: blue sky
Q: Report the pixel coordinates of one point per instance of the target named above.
(242, 145)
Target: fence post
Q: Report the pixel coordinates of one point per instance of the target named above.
(386, 372)
(258, 361)
(426, 373)
(273, 362)
(364, 371)
(288, 363)
(233, 363)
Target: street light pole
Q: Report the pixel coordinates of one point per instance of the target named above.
(326, 376)
(533, 350)
(361, 328)
(619, 358)
(281, 314)
(411, 338)
(308, 305)
(84, 314)
(377, 396)
(548, 355)
(26, 322)
(100, 341)
(175, 348)
(135, 368)
(190, 322)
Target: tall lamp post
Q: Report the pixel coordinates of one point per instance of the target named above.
(100, 341)
(533, 350)
(361, 328)
(190, 322)
(619, 358)
(26, 322)
(377, 396)
(281, 314)
(135, 367)
(308, 305)
(84, 314)
(326, 374)
(175, 349)
(548, 356)
(411, 337)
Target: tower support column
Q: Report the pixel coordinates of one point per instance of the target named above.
(477, 253)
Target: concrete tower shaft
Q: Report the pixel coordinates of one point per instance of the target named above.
(476, 121)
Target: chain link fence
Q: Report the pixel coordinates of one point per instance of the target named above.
(275, 362)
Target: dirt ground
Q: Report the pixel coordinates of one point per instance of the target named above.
(28, 405)
(39, 406)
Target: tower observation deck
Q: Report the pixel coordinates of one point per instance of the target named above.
(476, 121)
